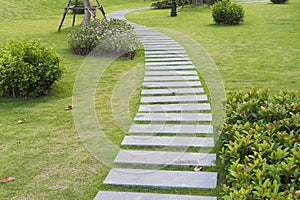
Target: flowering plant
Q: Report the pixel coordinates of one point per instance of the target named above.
(111, 37)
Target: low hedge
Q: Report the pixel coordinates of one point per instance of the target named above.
(279, 1)
(261, 152)
(166, 4)
(28, 68)
(226, 12)
(111, 37)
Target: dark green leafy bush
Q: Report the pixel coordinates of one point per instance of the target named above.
(166, 4)
(226, 12)
(27, 68)
(279, 1)
(261, 151)
(112, 37)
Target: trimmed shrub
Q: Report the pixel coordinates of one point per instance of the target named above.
(166, 4)
(27, 68)
(261, 151)
(112, 37)
(226, 12)
(279, 1)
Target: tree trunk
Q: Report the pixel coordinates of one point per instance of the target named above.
(198, 2)
(87, 15)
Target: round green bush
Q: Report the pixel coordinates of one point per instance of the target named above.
(225, 12)
(111, 37)
(27, 68)
(166, 4)
(279, 1)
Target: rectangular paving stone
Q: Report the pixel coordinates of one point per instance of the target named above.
(173, 99)
(167, 59)
(165, 158)
(171, 84)
(168, 141)
(170, 68)
(161, 178)
(106, 195)
(174, 107)
(171, 78)
(172, 91)
(166, 56)
(173, 117)
(160, 42)
(169, 63)
(160, 52)
(164, 48)
(164, 68)
(155, 40)
(170, 73)
(170, 129)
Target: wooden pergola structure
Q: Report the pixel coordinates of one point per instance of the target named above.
(76, 8)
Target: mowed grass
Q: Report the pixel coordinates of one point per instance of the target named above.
(47, 156)
(263, 52)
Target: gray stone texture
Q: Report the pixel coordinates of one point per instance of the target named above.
(171, 78)
(163, 68)
(173, 117)
(161, 178)
(173, 91)
(174, 99)
(170, 128)
(168, 141)
(169, 63)
(171, 84)
(165, 158)
(170, 73)
(105, 195)
(174, 107)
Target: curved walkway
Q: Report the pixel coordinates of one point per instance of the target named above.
(174, 115)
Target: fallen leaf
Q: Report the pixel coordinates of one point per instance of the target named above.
(68, 108)
(5, 180)
(21, 121)
(197, 169)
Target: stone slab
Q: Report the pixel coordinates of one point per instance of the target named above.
(165, 158)
(154, 40)
(164, 68)
(160, 52)
(188, 129)
(166, 56)
(172, 91)
(161, 178)
(168, 59)
(169, 63)
(106, 195)
(174, 107)
(173, 99)
(171, 78)
(161, 47)
(168, 141)
(170, 73)
(171, 84)
(173, 117)
(160, 42)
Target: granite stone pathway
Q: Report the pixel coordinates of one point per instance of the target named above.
(174, 115)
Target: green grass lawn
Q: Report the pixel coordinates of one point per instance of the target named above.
(262, 52)
(46, 154)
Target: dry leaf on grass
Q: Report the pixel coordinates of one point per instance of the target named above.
(68, 108)
(21, 121)
(5, 180)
